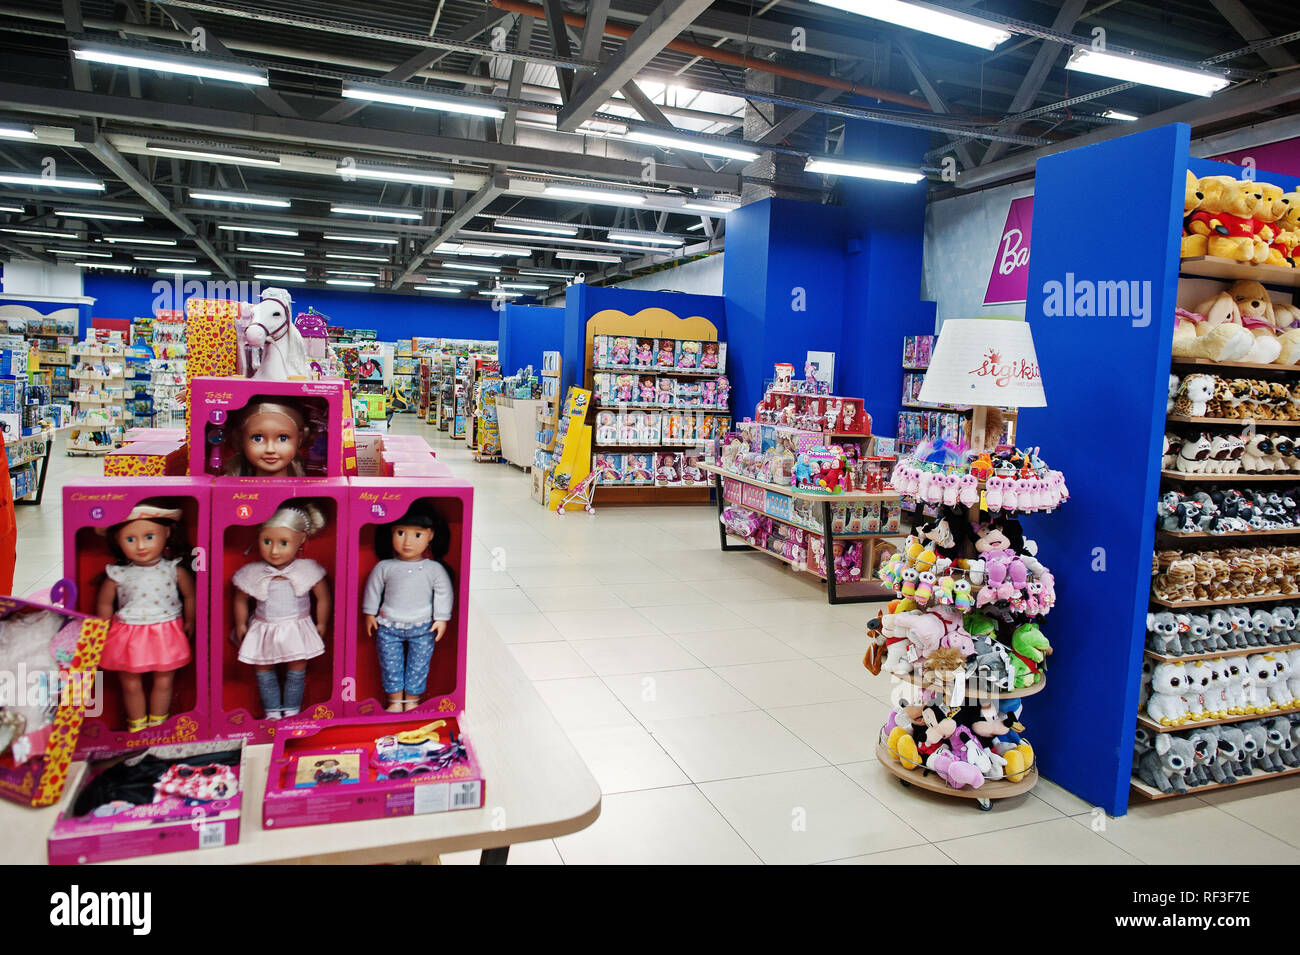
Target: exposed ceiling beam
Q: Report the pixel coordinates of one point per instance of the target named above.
(472, 207)
(369, 140)
(1036, 75)
(523, 42)
(103, 150)
(26, 253)
(398, 74)
(1244, 22)
(560, 44)
(652, 114)
(485, 22)
(73, 24)
(665, 22)
(1231, 103)
(594, 30)
(931, 94)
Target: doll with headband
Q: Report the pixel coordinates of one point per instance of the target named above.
(408, 602)
(149, 595)
(266, 439)
(273, 609)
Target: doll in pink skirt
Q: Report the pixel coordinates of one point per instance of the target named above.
(278, 590)
(149, 595)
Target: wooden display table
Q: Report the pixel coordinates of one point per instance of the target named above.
(873, 590)
(536, 783)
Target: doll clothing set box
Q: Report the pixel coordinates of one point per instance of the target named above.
(169, 798)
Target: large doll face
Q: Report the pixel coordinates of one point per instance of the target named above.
(411, 541)
(143, 542)
(279, 545)
(271, 443)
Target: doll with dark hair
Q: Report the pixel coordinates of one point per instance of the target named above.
(408, 602)
(149, 595)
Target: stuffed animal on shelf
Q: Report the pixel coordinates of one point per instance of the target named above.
(1215, 335)
(1194, 394)
(1223, 224)
(1193, 454)
(1029, 649)
(1256, 310)
(1257, 458)
(1165, 767)
(1167, 705)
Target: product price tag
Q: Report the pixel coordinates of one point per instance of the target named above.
(434, 797)
(212, 835)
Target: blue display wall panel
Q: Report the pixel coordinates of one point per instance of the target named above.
(524, 332)
(1104, 350)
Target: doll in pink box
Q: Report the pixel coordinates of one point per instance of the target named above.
(646, 390)
(408, 602)
(278, 590)
(667, 354)
(265, 440)
(149, 595)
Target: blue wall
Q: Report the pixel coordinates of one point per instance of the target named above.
(525, 331)
(393, 315)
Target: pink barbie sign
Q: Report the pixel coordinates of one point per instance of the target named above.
(1009, 279)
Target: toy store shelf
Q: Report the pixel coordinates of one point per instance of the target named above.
(1206, 535)
(943, 687)
(802, 495)
(1210, 267)
(1150, 792)
(957, 409)
(660, 446)
(650, 494)
(1252, 365)
(1229, 602)
(845, 434)
(923, 779)
(1228, 478)
(812, 530)
(1236, 652)
(1242, 422)
(684, 372)
(916, 368)
(804, 568)
(1153, 726)
(639, 406)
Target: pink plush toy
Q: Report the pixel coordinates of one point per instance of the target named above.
(955, 772)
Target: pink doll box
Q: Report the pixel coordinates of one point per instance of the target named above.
(216, 411)
(90, 511)
(374, 504)
(239, 507)
(419, 468)
(147, 458)
(415, 784)
(74, 648)
(173, 824)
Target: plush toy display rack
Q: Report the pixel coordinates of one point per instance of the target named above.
(1084, 732)
(984, 796)
(944, 686)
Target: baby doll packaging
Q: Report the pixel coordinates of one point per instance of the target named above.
(279, 561)
(138, 551)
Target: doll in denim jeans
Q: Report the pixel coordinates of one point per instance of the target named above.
(408, 602)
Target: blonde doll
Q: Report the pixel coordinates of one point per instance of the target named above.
(278, 590)
(266, 439)
(149, 595)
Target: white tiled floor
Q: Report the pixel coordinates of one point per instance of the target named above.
(723, 707)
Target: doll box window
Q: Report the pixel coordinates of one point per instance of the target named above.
(171, 798)
(406, 766)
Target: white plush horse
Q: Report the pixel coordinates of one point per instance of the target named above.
(283, 351)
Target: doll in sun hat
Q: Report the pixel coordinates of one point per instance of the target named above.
(149, 595)
(280, 588)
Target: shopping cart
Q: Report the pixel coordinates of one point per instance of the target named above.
(583, 492)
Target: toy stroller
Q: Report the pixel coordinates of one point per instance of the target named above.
(584, 492)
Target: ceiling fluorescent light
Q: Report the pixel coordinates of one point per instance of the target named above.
(357, 258)
(219, 156)
(105, 265)
(695, 228)
(261, 230)
(483, 248)
(607, 196)
(444, 289)
(16, 132)
(18, 209)
(50, 182)
(81, 254)
(926, 19)
(160, 258)
(525, 285)
(1116, 114)
(243, 198)
(546, 228)
(1134, 69)
(546, 274)
(273, 277)
(373, 240)
(437, 278)
(588, 257)
(179, 270)
(707, 208)
(48, 233)
(499, 293)
(466, 267)
(354, 283)
(138, 240)
(271, 266)
(704, 146)
(413, 176)
(861, 170)
(261, 250)
(90, 214)
(364, 275)
(376, 211)
(653, 238)
(194, 67)
(398, 97)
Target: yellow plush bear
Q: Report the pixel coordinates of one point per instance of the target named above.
(1271, 208)
(1225, 220)
(1286, 231)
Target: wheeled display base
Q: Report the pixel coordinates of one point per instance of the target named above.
(922, 778)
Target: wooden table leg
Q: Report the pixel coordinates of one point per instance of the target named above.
(494, 856)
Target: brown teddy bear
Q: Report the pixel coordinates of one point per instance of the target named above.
(1258, 315)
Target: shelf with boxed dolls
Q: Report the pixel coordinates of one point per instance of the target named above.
(675, 372)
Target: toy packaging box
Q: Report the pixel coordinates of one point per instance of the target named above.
(611, 468)
(91, 512)
(59, 660)
(147, 458)
(638, 469)
(218, 407)
(194, 803)
(668, 469)
(374, 505)
(240, 506)
(370, 768)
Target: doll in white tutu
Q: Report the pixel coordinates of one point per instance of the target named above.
(273, 609)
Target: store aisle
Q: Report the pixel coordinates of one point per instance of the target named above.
(723, 706)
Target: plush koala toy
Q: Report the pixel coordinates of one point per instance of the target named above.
(1283, 624)
(1279, 728)
(1197, 638)
(1220, 631)
(1261, 628)
(1167, 764)
(1264, 755)
(1205, 746)
(1167, 705)
(1227, 766)
(1293, 680)
(1241, 632)
(1162, 634)
(1143, 742)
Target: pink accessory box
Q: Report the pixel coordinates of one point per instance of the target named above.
(153, 828)
(459, 786)
(154, 434)
(214, 400)
(239, 506)
(414, 465)
(376, 502)
(85, 555)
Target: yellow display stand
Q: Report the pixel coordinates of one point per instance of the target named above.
(574, 462)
